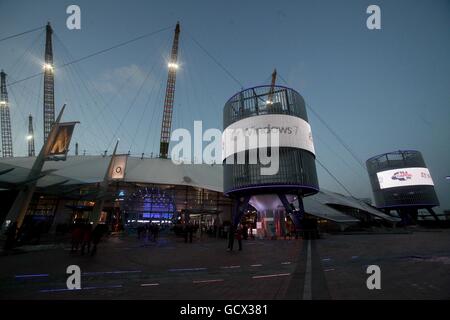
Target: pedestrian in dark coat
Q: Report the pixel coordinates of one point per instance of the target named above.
(77, 234)
(239, 236)
(97, 234)
(87, 235)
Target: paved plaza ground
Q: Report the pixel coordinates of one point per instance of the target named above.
(414, 265)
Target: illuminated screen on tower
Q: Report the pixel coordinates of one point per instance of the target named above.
(404, 177)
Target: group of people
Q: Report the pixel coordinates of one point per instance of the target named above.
(83, 236)
(28, 233)
(189, 230)
(150, 229)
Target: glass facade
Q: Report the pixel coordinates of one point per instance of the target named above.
(152, 204)
(297, 173)
(297, 168)
(165, 202)
(264, 100)
(398, 197)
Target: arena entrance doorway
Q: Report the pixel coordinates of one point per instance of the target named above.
(149, 205)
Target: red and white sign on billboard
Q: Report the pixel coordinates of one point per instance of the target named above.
(404, 177)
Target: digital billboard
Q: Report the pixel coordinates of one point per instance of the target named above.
(404, 177)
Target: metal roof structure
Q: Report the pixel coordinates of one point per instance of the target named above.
(91, 169)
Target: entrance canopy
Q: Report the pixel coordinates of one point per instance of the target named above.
(91, 169)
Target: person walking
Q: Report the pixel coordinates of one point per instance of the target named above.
(87, 235)
(238, 236)
(186, 232)
(140, 230)
(155, 232)
(76, 237)
(245, 232)
(191, 229)
(96, 237)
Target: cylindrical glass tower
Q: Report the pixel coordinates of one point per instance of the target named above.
(268, 109)
(401, 179)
